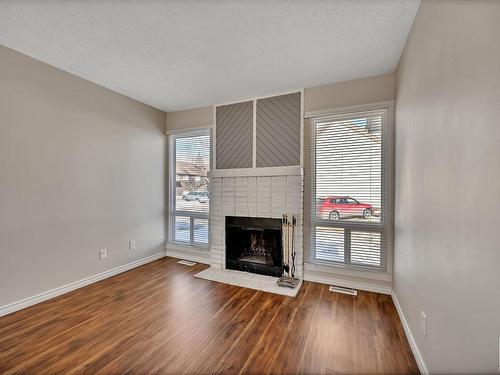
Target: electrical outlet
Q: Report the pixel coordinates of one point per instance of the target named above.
(423, 323)
(131, 245)
(104, 253)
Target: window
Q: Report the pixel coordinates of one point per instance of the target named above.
(188, 193)
(350, 222)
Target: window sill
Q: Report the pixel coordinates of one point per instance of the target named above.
(367, 273)
(187, 252)
(184, 246)
(369, 280)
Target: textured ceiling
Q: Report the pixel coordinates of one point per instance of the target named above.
(182, 54)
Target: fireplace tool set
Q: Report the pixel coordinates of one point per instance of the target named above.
(288, 240)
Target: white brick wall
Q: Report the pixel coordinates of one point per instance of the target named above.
(268, 197)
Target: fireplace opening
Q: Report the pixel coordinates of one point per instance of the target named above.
(254, 245)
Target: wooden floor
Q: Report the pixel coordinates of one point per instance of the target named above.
(159, 318)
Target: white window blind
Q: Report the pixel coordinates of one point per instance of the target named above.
(349, 212)
(188, 192)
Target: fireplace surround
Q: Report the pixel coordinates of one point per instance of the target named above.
(254, 244)
(266, 197)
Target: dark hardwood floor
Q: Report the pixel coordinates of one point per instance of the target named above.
(158, 318)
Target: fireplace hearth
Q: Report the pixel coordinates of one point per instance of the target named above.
(254, 245)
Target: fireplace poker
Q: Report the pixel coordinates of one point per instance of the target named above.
(294, 222)
(288, 243)
(284, 221)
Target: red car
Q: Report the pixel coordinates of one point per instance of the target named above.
(334, 208)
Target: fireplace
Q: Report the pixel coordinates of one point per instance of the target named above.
(254, 245)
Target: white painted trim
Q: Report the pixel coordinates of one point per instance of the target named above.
(338, 280)
(214, 141)
(188, 254)
(170, 183)
(390, 173)
(44, 296)
(258, 172)
(386, 109)
(411, 340)
(171, 162)
(254, 134)
(350, 109)
(302, 128)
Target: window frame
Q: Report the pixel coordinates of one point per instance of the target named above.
(171, 175)
(385, 226)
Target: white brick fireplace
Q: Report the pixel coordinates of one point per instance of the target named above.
(257, 173)
(254, 196)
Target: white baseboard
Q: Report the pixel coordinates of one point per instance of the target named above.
(321, 277)
(413, 345)
(186, 254)
(26, 302)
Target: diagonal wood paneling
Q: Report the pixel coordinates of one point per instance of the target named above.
(234, 136)
(278, 131)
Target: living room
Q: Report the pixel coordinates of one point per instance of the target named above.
(249, 187)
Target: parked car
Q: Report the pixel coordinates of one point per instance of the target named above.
(203, 197)
(200, 196)
(190, 196)
(334, 208)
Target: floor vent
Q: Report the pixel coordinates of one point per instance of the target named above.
(339, 289)
(186, 263)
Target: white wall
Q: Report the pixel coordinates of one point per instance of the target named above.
(81, 168)
(368, 90)
(190, 118)
(341, 94)
(447, 252)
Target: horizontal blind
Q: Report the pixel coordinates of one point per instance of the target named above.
(189, 196)
(347, 178)
(349, 168)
